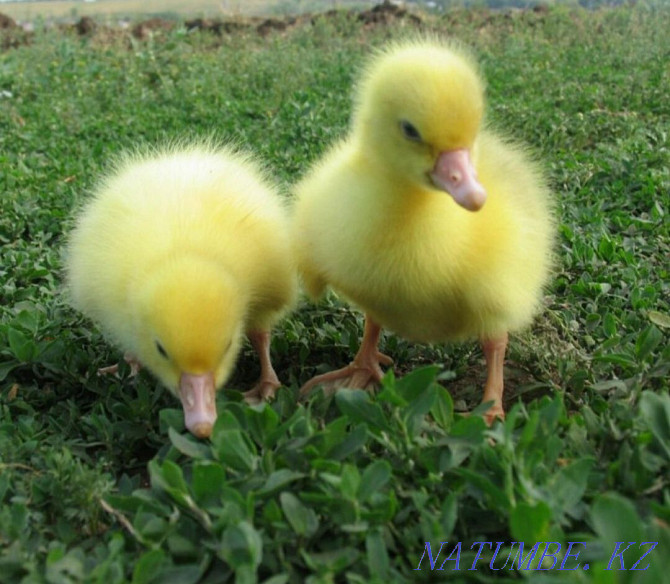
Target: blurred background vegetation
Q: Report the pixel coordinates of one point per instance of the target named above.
(26, 10)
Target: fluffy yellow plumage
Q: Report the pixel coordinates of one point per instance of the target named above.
(435, 226)
(176, 255)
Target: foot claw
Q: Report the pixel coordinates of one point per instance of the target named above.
(353, 376)
(493, 413)
(262, 391)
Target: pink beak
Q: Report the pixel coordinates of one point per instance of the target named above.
(455, 174)
(197, 393)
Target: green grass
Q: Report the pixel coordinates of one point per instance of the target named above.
(98, 481)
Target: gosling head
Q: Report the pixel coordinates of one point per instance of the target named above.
(419, 108)
(189, 323)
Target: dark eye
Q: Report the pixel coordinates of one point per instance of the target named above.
(161, 350)
(411, 133)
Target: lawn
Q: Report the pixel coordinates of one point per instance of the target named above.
(99, 482)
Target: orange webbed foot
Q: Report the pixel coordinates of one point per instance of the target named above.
(364, 372)
(359, 374)
(268, 383)
(494, 353)
(493, 413)
(264, 390)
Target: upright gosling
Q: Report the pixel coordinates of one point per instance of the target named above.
(434, 225)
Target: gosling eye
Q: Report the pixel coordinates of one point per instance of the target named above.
(410, 132)
(161, 350)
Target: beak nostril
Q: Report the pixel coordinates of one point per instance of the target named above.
(456, 177)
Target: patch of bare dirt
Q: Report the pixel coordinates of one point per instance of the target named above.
(11, 34)
(217, 26)
(147, 28)
(384, 14)
(86, 26)
(6, 22)
(387, 13)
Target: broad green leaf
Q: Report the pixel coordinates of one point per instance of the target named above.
(278, 579)
(171, 418)
(355, 440)
(530, 523)
(126, 504)
(23, 348)
(436, 459)
(375, 476)
(332, 436)
(55, 555)
(27, 319)
(610, 325)
(331, 561)
(622, 359)
(262, 421)
(174, 476)
(414, 414)
(377, 556)
(382, 507)
(497, 495)
(303, 520)
(655, 411)
(170, 478)
(648, 340)
(148, 566)
(156, 475)
(356, 404)
(389, 390)
(242, 545)
(415, 383)
(234, 449)
(659, 318)
(245, 574)
(609, 385)
(150, 526)
(189, 574)
(442, 409)
(614, 519)
(4, 484)
(62, 566)
(551, 411)
(182, 547)
(6, 369)
(226, 421)
(208, 480)
(568, 485)
(272, 513)
(350, 481)
(449, 514)
(188, 445)
(278, 479)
